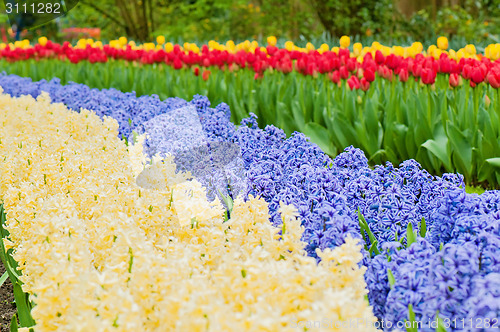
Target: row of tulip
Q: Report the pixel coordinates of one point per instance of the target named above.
(491, 51)
(97, 252)
(359, 67)
(446, 129)
(431, 250)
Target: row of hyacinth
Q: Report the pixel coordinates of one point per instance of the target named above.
(99, 253)
(453, 271)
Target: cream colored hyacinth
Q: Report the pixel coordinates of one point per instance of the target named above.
(100, 253)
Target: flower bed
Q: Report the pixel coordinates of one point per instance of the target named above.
(359, 67)
(97, 252)
(430, 249)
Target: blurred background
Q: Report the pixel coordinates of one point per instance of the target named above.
(318, 21)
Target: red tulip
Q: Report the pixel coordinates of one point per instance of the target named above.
(365, 85)
(196, 71)
(428, 76)
(353, 82)
(467, 71)
(344, 73)
(454, 80)
(477, 75)
(335, 76)
(494, 78)
(205, 75)
(445, 65)
(369, 75)
(351, 64)
(403, 75)
(379, 57)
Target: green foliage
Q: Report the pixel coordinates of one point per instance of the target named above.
(444, 129)
(412, 322)
(354, 17)
(23, 303)
(85, 16)
(202, 20)
(474, 22)
(474, 190)
(368, 235)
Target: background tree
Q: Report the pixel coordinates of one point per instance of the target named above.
(299, 20)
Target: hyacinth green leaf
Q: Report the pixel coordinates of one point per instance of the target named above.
(411, 236)
(227, 200)
(440, 324)
(9, 263)
(22, 301)
(13, 324)
(23, 306)
(412, 320)
(373, 248)
(4, 277)
(390, 278)
(365, 228)
(423, 228)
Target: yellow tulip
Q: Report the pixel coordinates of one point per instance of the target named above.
(81, 43)
(271, 40)
(431, 49)
(148, 46)
(376, 45)
(335, 49)
(160, 40)
(123, 41)
(471, 49)
(385, 50)
(169, 47)
(492, 51)
(357, 48)
(310, 47)
(247, 44)
(437, 53)
(42, 41)
(289, 46)
(345, 41)
(399, 50)
(442, 43)
(114, 44)
(418, 47)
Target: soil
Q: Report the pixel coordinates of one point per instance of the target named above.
(7, 305)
